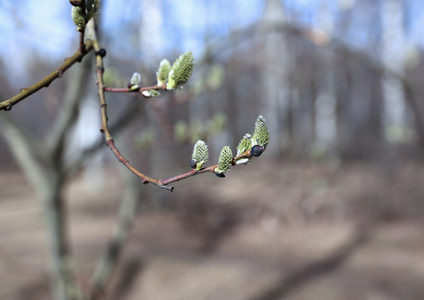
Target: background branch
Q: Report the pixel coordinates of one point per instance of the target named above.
(76, 89)
(26, 150)
(45, 82)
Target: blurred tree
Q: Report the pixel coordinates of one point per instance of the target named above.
(392, 49)
(49, 162)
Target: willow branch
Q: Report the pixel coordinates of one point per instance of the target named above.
(45, 82)
(140, 90)
(121, 122)
(210, 169)
(105, 129)
(75, 91)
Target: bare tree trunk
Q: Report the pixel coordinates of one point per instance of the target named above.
(326, 99)
(392, 51)
(48, 184)
(276, 65)
(43, 164)
(108, 262)
(60, 263)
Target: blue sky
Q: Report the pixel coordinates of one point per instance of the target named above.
(44, 28)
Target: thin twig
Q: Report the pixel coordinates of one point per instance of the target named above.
(210, 169)
(119, 124)
(128, 90)
(105, 130)
(45, 82)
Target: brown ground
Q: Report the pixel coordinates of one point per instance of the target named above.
(301, 231)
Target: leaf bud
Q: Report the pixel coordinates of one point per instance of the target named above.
(151, 93)
(163, 72)
(135, 82)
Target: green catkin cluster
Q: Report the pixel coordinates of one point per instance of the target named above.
(244, 145)
(224, 162)
(200, 155)
(81, 17)
(181, 71)
(78, 17)
(260, 135)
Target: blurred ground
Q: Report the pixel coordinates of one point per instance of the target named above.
(290, 231)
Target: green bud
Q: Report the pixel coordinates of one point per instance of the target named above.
(225, 161)
(215, 77)
(200, 155)
(244, 145)
(261, 134)
(145, 139)
(135, 82)
(150, 93)
(163, 72)
(180, 131)
(78, 16)
(181, 71)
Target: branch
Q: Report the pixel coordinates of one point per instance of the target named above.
(103, 106)
(76, 89)
(121, 122)
(128, 90)
(45, 82)
(210, 169)
(26, 151)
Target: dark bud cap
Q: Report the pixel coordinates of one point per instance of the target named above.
(220, 175)
(101, 52)
(193, 164)
(76, 2)
(257, 150)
